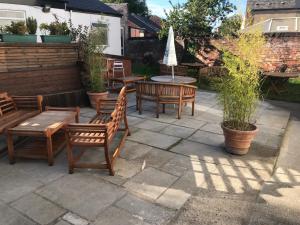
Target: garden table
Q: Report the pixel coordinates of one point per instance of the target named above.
(43, 140)
(279, 80)
(177, 80)
(128, 82)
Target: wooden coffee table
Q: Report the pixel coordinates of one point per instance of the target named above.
(43, 137)
(128, 82)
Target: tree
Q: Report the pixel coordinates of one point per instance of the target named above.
(138, 7)
(195, 19)
(230, 26)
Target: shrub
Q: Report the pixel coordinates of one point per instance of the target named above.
(18, 28)
(56, 27)
(239, 90)
(31, 24)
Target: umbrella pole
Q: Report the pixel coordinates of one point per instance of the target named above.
(173, 75)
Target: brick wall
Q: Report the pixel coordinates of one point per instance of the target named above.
(278, 50)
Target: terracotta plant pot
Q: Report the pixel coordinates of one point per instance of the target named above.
(238, 142)
(95, 97)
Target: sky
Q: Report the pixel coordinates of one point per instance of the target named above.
(157, 6)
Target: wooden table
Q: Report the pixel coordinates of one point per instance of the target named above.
(43, 140)
(279, 81)
(128, 82)
(177, 80)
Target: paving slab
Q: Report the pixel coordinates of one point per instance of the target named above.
(155, 158)
(38, 209)
(173, 198)
(213, 128)
(16, 184)
(151, 125)
(178, 131)
(150, 183)
(200, 151)
(62, 222)
(116, 216)
(132, 120)
(74, 219)
(154, 139)
(149, 212)
(133, 150)
(9, 216)
(178, 165)
(92, 195)
(191, 123)
(207, 138)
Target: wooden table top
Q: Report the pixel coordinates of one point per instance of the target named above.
(177, 80)
(282, 75)
(48, 121)
(128, 78)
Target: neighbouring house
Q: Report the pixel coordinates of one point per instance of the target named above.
(274, 15)
(142, 27)
(81, 12)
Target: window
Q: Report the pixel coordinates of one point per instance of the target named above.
(104, 27)
(137, 33)
(7, 16)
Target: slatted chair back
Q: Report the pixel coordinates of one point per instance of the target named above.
(118, 67)
(7, 104)
(189, 91)
(170, 91)
(28, 102)
(147, 88)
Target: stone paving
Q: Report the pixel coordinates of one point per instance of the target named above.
(169, 172)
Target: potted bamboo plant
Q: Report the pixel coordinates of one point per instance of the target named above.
(16, 32)
(239, 92)
(55, 32)
(94, 64)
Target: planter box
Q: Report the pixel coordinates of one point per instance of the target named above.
(56, 38)
(13, 38)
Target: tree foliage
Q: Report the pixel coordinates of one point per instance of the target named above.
(195, 19)
(138, 7)
(230, 26)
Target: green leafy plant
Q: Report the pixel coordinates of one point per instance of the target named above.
(31, 24)
(56, 27)
(18, 28)
(239, 90)
(93, 48)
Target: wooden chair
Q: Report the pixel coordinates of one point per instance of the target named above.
(16, 109)
(100, 132)
(165, 93)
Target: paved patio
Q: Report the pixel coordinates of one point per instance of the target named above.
(170, 172)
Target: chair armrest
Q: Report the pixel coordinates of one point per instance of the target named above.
(86, 128)
(28, 102)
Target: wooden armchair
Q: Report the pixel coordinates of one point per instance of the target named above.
(100, 132)
(16, 109)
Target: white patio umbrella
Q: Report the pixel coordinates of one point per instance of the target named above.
(170, 58)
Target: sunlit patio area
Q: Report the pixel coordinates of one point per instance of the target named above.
(170, 172)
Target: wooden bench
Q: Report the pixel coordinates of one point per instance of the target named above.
(16, 109)
(165, 93)
(100, 132)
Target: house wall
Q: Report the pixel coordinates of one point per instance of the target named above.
(78, 18)
(259, 16)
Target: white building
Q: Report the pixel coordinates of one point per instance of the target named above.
(81, 12)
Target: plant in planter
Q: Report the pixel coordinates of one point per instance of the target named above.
(59, 32)
(239, 92)
(93, 56)
(17, 32)
(31, 24)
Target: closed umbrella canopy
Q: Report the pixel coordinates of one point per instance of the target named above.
(170, 58)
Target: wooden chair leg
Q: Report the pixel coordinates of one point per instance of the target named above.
(137, 104)
(179, 111)
(164, 108)
(70, 158)
(193, 108)
(157, 109)
(50, 151)
(108, 162)
(140, 106)
(10, 146)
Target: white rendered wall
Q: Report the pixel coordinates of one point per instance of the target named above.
(78, 18)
